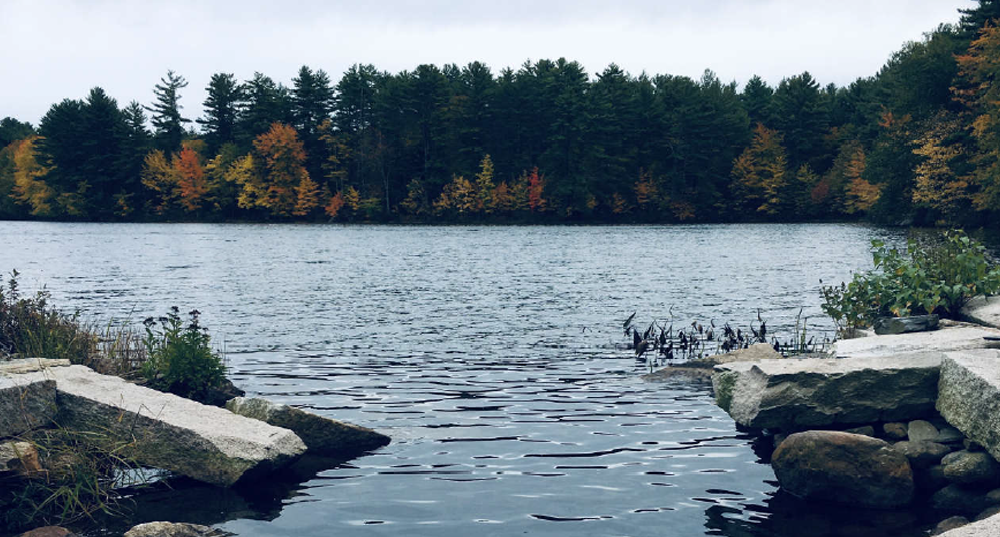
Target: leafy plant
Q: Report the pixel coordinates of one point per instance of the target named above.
(924, 279)
(180, 358)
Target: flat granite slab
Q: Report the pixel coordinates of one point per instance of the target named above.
(969, 395)
(203, 442)
(951, 338)
(798, 394)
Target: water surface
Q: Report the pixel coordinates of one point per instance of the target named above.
(491, 356)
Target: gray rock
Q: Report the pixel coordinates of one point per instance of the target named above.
(49, 531)
(894, 430)
(956, 499)
(173, 529)
(901, 325)
(983, 310)
(922, 454)
(322, 436)
(795, 394)
(988, 512)
(25, 403)
(206, 443)
(19, 459)
(949, 435)
(843, 467)
(969, 468)
(921, 431)
(968, 393)
(950, 523)
(866, 430)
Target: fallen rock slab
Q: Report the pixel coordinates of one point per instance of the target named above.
(796, 394)
(322, 436)
(968, 395)
(983, 310)
(845, 468)
(206, 443)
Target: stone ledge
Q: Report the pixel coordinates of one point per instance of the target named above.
(969, 395)
(814, 392)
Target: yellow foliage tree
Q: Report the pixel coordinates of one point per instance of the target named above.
(459, 196)
(503, 198)
(161, 178)
(484, 187)
(980, 93)
(861, 194)
(29, 179)
(306, 197)
(352, 199)
(759, 174)
(936, 184)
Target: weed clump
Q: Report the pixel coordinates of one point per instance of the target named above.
(179, 356)
(30, 327)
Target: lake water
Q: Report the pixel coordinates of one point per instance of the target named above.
(493, 356)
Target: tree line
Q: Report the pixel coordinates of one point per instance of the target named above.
(918, 142)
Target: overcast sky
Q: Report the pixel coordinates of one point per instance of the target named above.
(54, 49)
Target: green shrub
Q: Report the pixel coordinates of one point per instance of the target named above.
(180, 359)
(29, 327)
(924, 279)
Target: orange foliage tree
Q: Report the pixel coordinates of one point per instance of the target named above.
(284, 171)
(191, 183)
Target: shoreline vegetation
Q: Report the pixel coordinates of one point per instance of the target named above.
(916, 143)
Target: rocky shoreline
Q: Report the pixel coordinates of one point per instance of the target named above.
(884, 421)
(249, 440)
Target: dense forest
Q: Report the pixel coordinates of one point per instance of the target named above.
(918, 142)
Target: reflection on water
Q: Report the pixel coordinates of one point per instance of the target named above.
(487, 354)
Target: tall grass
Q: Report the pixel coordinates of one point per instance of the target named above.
(31, 328)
